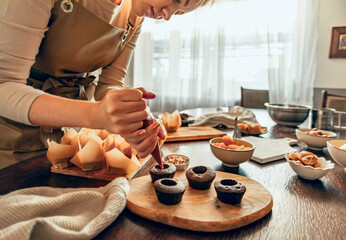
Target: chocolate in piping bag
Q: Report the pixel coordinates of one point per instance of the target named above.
(156, 152)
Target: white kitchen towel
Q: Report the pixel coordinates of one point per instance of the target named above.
(225, 118)
(61, 213)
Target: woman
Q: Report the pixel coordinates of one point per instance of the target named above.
(48, 49)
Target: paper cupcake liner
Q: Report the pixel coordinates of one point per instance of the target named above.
(230, 197)
(200, 185)
(169, 198)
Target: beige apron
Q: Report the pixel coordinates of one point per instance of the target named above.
(76, 43)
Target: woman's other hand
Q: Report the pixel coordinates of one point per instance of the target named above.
(145, 141)
(162, 134)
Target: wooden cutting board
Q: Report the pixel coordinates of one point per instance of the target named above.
(200, 210)
(102, 174)
(194, 133)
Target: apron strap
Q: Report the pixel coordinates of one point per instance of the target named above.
(70, 87)
(131, 23)
(132, 18)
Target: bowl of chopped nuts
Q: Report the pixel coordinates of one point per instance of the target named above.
(180, 161)
(307, 165)
(314, 138)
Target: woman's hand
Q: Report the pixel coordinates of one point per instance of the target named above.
(162, 134)
(146, 141)
(123, 112)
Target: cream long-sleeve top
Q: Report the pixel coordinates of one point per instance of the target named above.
(22, 28)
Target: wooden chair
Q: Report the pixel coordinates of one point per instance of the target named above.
(337, 102)
(253, 98)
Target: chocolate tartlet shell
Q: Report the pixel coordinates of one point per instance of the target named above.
(157, 173)
(200, 177)
(229, 191)
(169, 191)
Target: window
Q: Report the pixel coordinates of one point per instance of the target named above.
(202, 58)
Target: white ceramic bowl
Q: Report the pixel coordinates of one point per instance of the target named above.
(309, 172)
(314, 142)
(179, 167)
(338, 154)
(230, 157)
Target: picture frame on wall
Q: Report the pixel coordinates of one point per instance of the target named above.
(338, 43)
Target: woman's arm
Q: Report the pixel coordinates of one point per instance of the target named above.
(113, 76)
(120, 111)
(22, 27)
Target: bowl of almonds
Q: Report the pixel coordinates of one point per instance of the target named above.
(180, 161)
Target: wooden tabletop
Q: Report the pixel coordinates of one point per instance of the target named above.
(302, 209)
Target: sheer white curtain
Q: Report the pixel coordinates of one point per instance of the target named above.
(201, 59)
(291, 75)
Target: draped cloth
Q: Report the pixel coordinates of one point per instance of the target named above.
(226, 119)
(61, 213)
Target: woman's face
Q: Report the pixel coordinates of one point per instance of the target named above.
(163, 8)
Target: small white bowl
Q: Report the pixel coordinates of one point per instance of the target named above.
(314, 142)
(309, 172)
(230, 157)
(179, 167)
(338, 154)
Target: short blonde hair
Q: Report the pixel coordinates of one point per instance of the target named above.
(203, 3)
(206, 2)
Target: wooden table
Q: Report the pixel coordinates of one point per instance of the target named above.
(302, 209)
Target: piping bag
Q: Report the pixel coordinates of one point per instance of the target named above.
(156, 152)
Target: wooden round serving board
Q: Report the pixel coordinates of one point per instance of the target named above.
(200, 210)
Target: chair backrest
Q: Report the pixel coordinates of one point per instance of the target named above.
(336, 101)
(253, 98)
